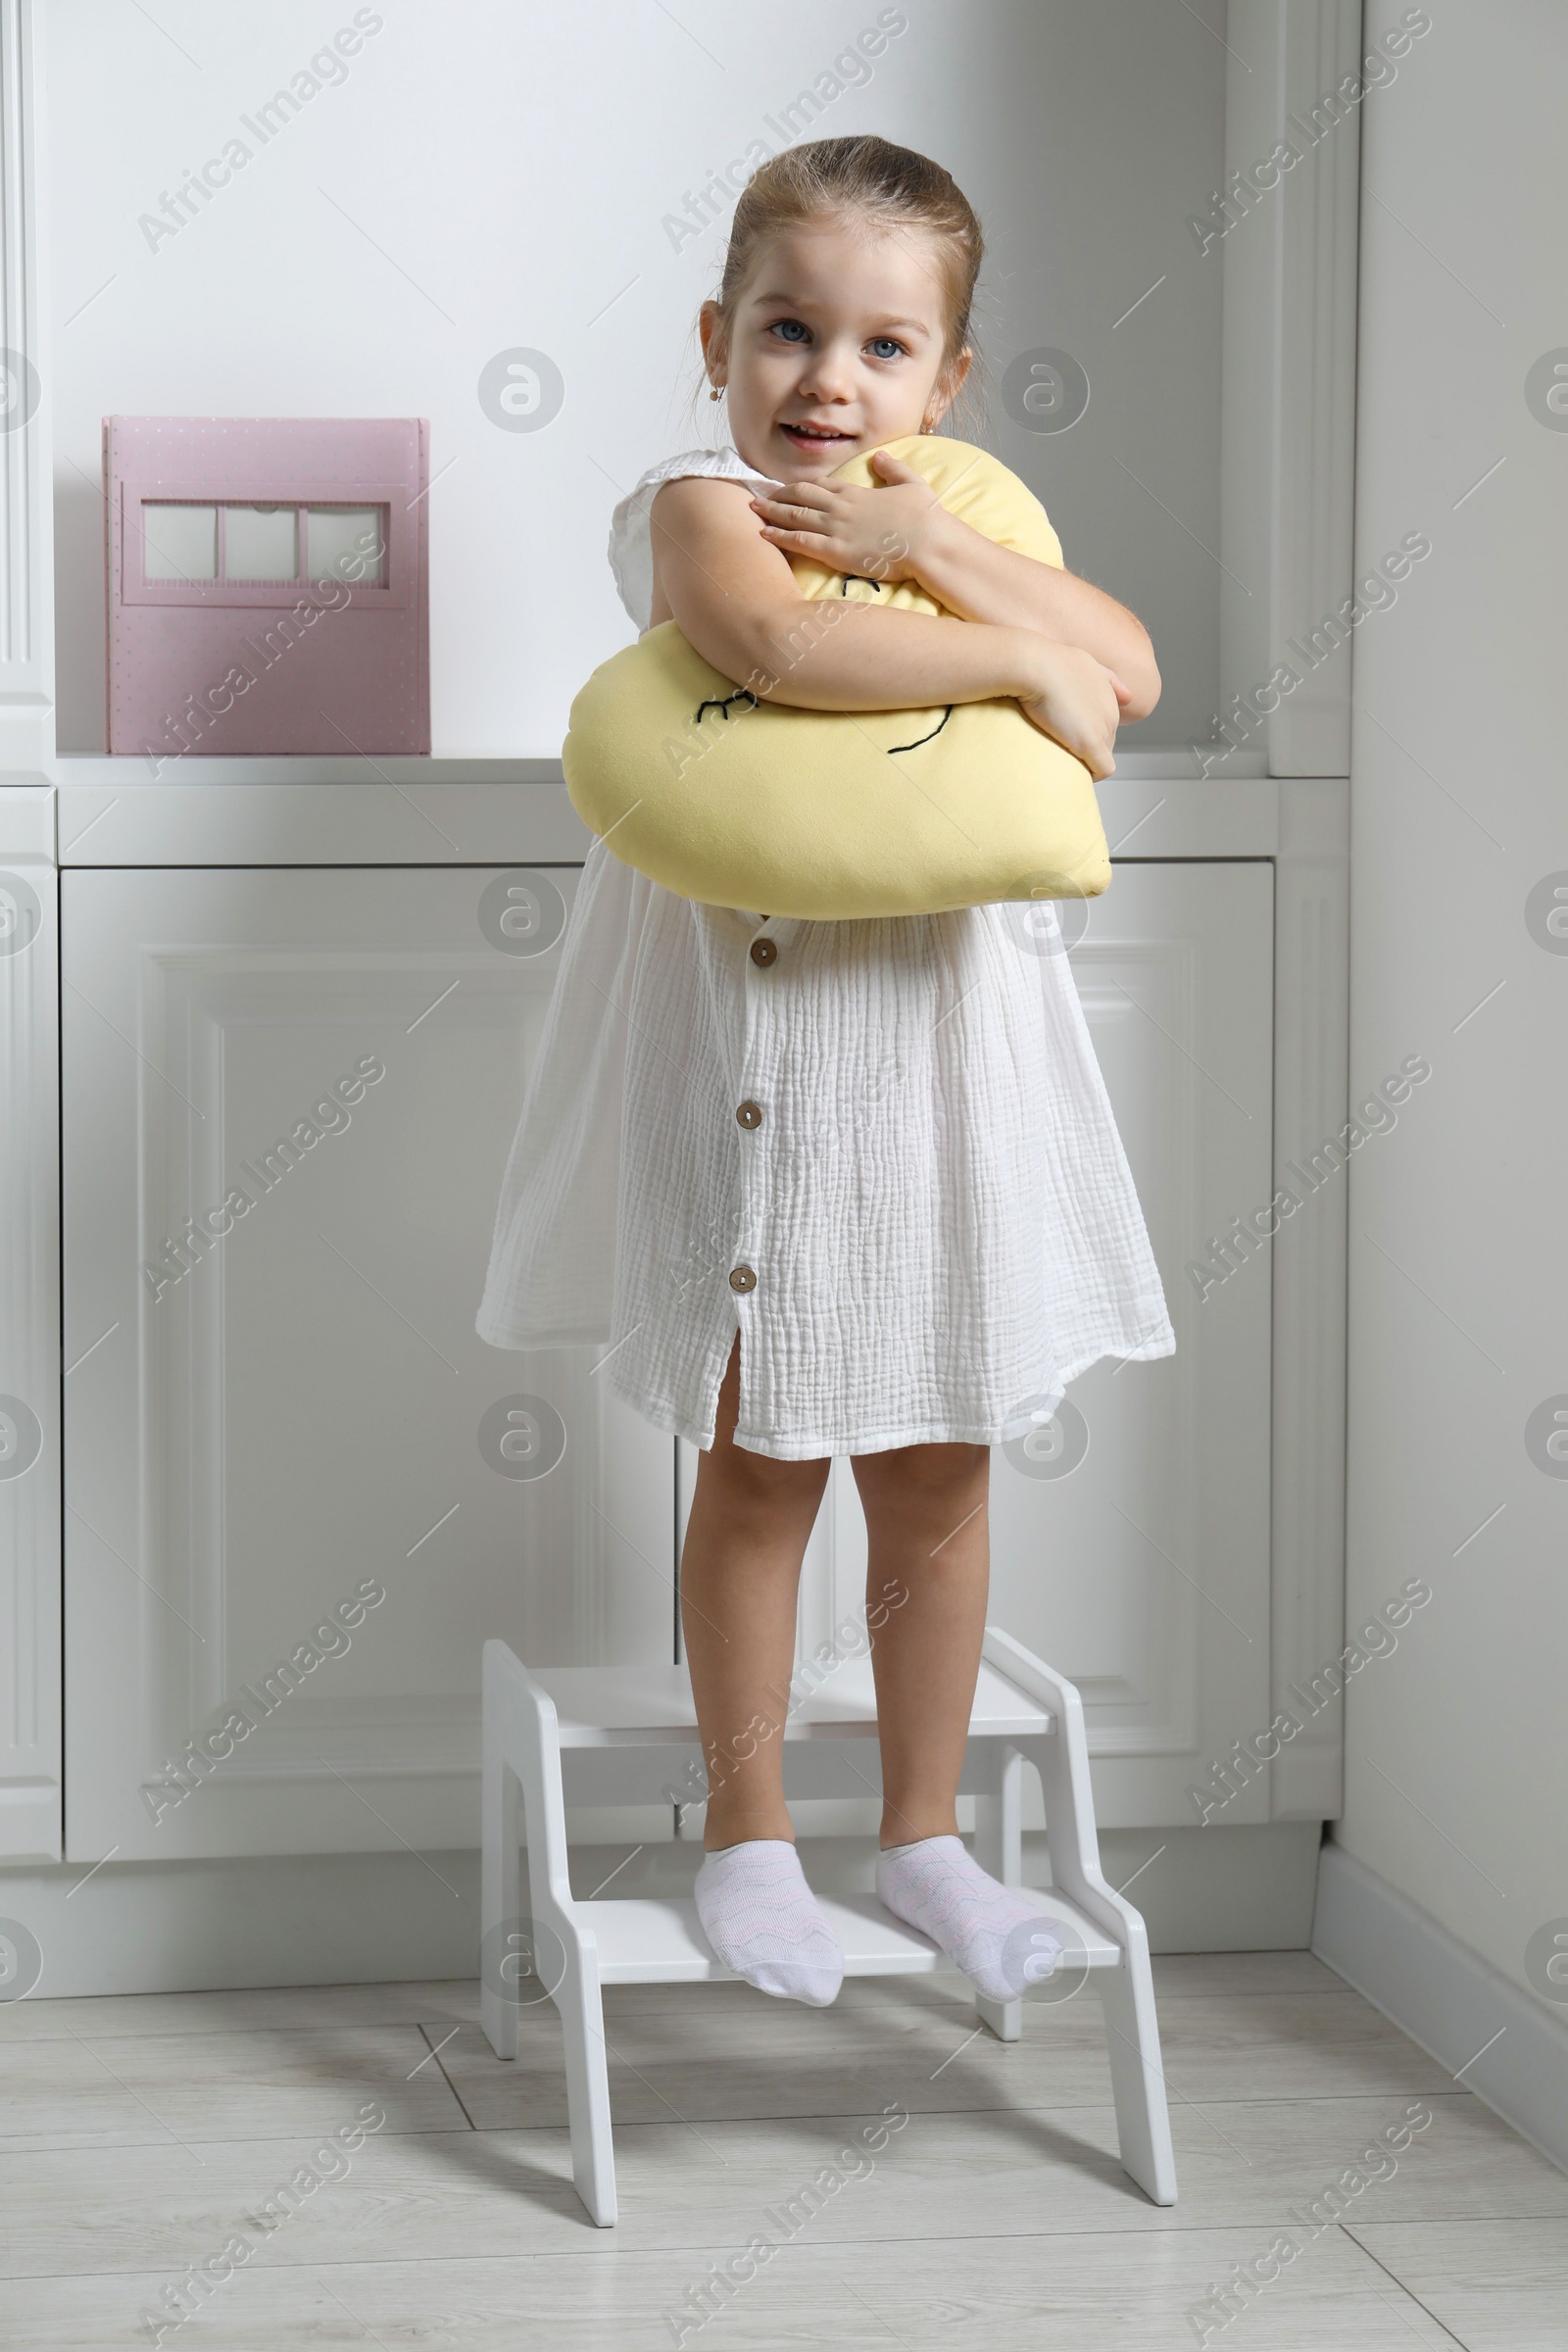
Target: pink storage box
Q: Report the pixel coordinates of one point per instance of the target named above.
(269, 585)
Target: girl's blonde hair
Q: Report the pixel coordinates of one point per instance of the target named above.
(863, 179)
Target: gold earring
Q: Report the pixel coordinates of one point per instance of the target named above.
(715, 391)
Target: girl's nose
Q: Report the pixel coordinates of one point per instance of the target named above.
(829, 373)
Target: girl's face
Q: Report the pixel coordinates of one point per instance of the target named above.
(835, 348)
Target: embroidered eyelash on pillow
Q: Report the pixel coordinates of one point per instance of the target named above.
(835, 814)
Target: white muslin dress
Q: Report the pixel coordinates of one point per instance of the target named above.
(882, 1149)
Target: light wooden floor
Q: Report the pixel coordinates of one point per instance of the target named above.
(140, 2133)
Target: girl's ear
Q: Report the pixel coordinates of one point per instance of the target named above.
(949, 384)
(711, 326)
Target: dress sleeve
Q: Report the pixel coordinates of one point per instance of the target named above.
(632, 543)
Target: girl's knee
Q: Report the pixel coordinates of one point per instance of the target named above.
(743, 1461)
(759, 1478)
(923, 1470)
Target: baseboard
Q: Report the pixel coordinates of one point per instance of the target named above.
(366, 1919)
(1446, 1999)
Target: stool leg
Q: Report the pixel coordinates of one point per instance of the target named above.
(500, 1891)
(998, 1848)
(1138, 2081)
(593, 2147)
(1127, 1991)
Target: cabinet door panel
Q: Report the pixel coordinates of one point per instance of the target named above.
(299, 1405)
(1142, 1572)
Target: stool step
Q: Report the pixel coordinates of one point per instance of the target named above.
(654, 1941)
(645, 1705)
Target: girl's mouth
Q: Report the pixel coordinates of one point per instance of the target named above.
(815, 436)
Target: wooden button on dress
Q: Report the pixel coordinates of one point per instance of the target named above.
(763, 951)
(750, 1114)
(743, 1278)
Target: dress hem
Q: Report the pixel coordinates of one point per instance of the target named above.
(669, 1418)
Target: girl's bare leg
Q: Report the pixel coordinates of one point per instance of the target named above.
(740, 1569)
(925, 1513)
(927, 1580)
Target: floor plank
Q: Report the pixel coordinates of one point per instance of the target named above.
(692, 2061)
(1069, 2293)
(1501, 2286)
(243, 2011)
(1214, 1974)
(431, 2195)
(130, 2089)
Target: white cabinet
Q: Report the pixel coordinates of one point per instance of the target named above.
(1130, 1541)
(289, 1098)
(292, 1402)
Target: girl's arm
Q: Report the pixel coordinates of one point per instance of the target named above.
(735, 601)
(972, 575)
(903, 532)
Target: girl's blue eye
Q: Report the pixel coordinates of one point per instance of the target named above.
(884, 346)
(792, 329)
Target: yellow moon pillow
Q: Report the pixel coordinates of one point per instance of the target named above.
(831, 815)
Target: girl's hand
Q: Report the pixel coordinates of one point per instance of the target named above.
(1077, 702)
(869, 534)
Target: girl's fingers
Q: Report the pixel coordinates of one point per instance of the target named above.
(804, 498)
(791, 519)
(795, 519)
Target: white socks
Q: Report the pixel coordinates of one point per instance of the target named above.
(991, 1932)
(764, 1921)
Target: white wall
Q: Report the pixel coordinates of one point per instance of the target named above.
(1457, 1744)
(491, 175)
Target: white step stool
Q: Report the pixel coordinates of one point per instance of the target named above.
(619, 1734)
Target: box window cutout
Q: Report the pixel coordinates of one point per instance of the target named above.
(261, 543)
(179, 542)
(346, 543)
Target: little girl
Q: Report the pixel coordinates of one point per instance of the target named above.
(836, 1188)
